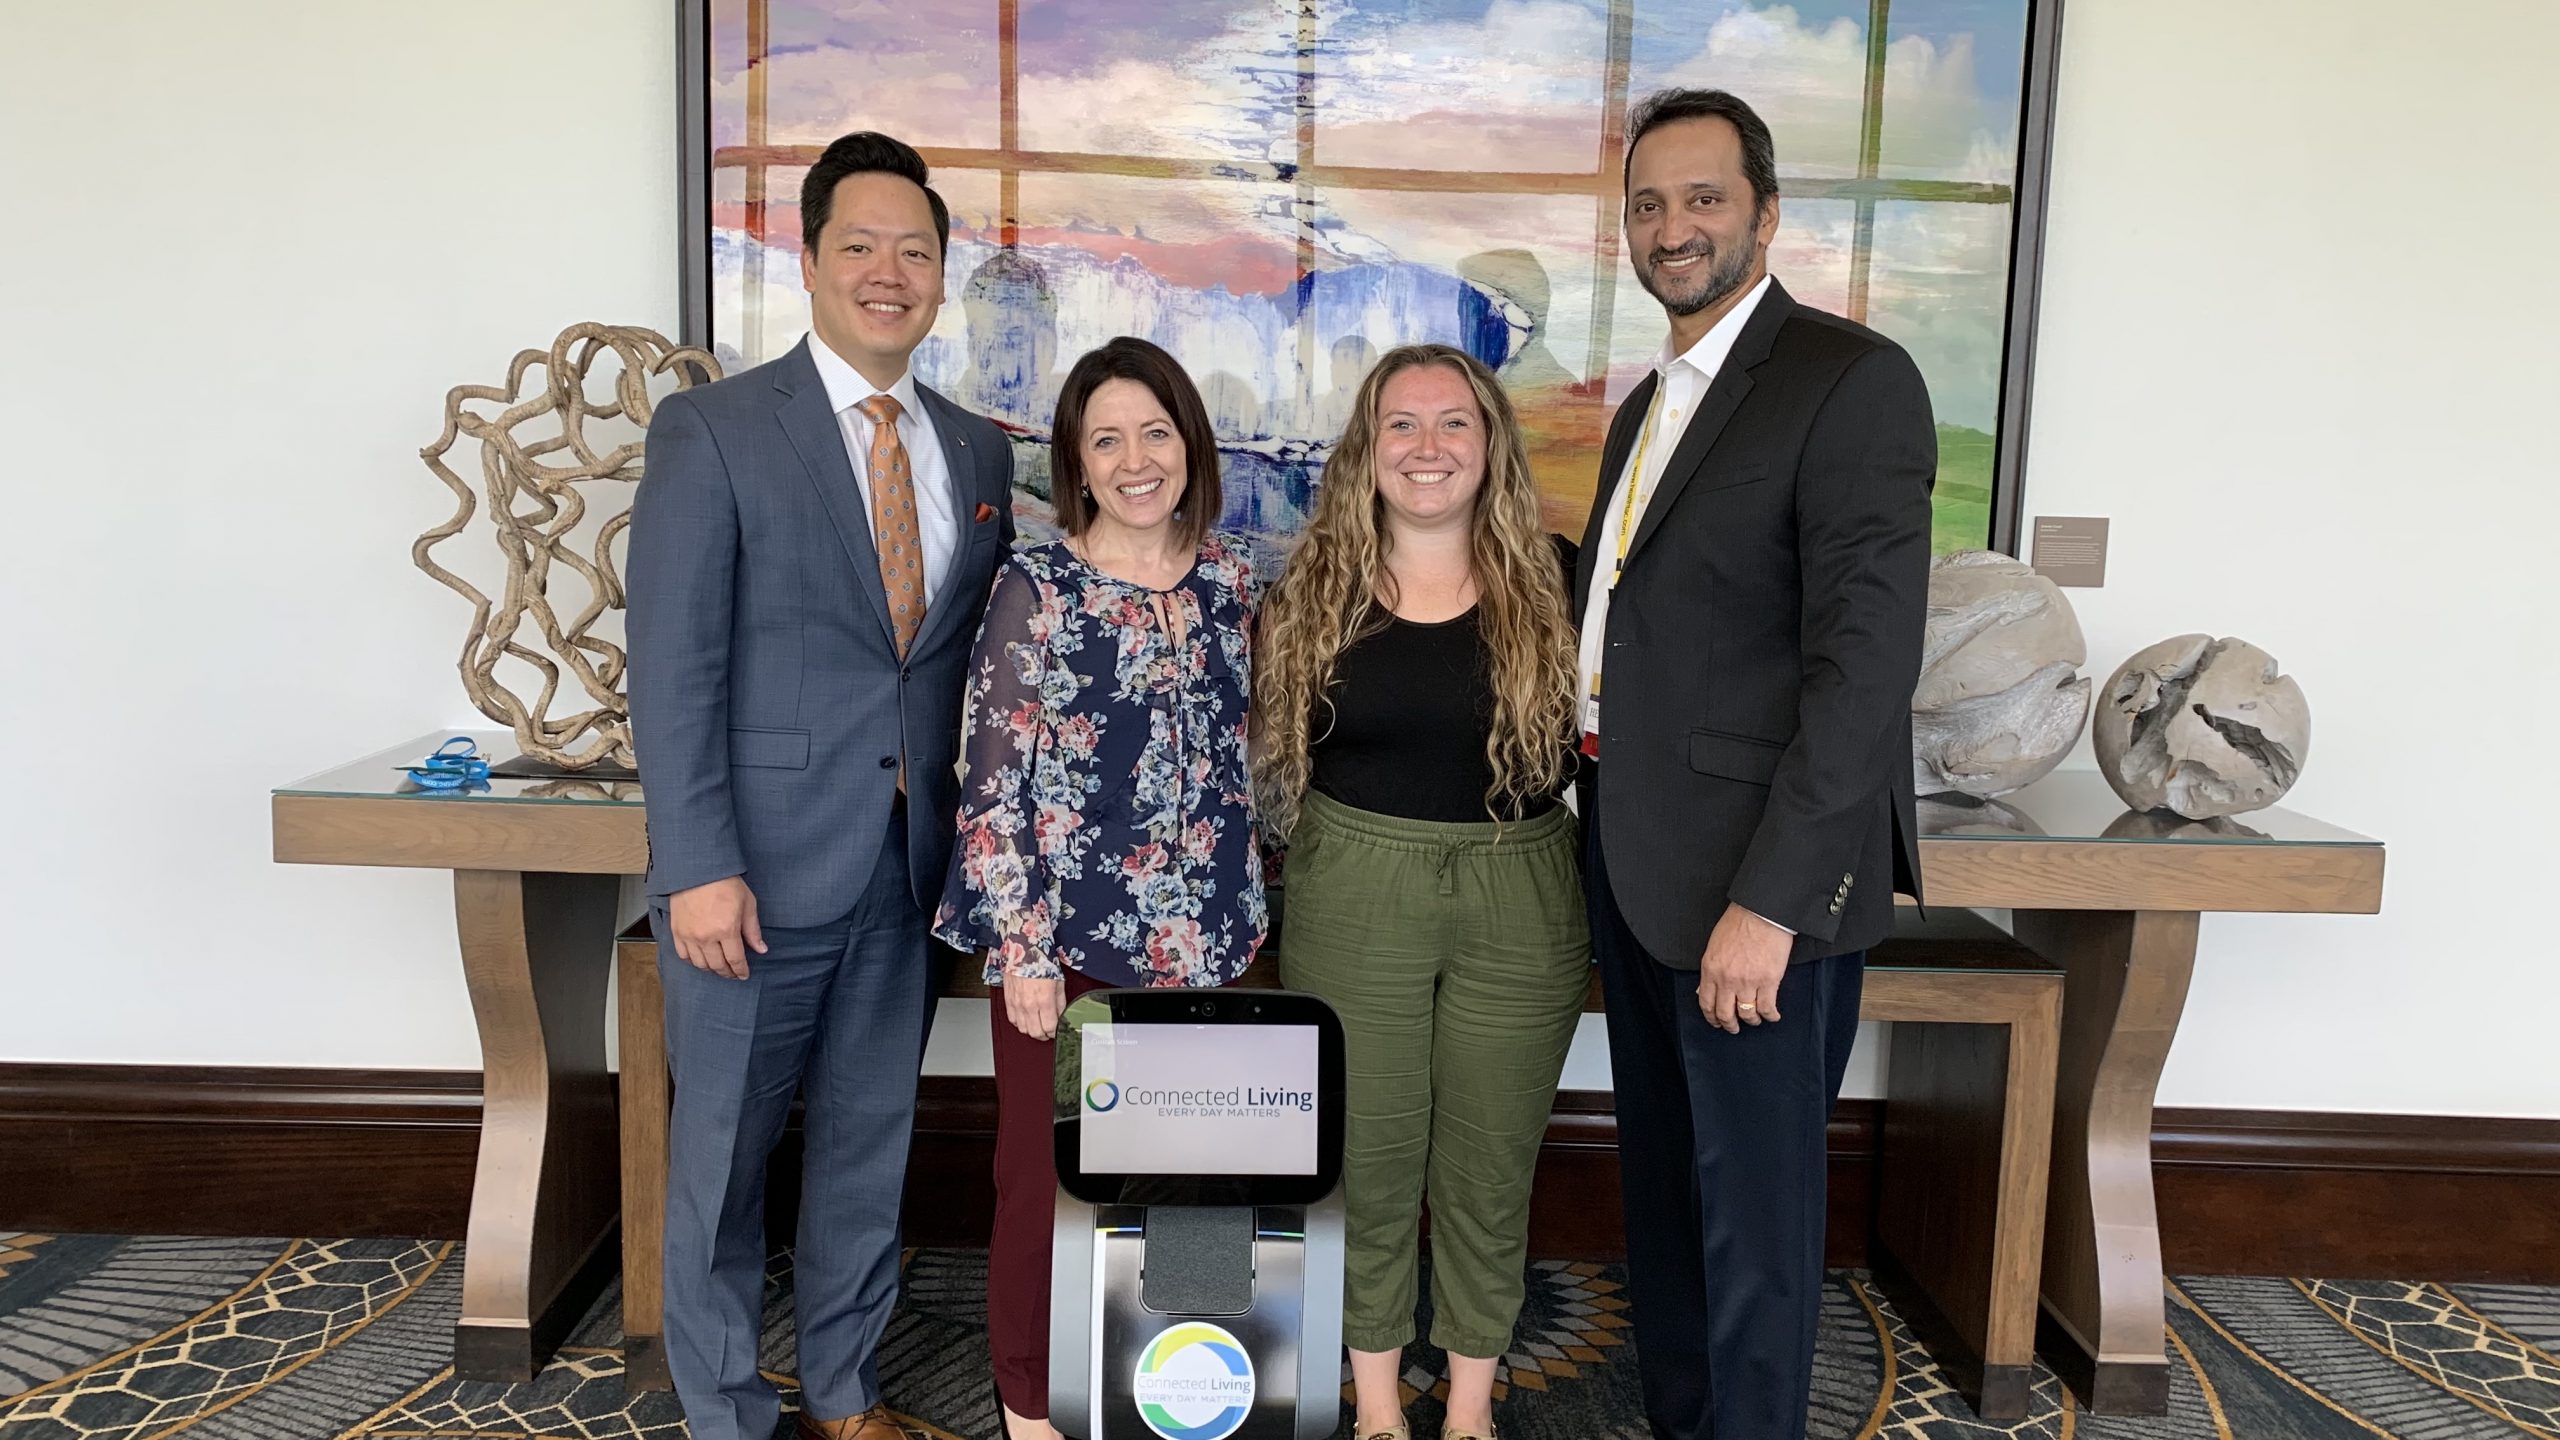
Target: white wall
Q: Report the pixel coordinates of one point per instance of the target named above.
(2301, 339)
(249, 248)
(2296, 316)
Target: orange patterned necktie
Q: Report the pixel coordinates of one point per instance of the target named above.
(893, 521)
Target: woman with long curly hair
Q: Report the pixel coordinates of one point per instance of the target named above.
(1413, 712)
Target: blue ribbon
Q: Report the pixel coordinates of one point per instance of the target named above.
(451, 768)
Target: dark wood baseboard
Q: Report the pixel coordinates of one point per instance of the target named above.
(221, 1150)
(2341, 1196)
(233, 1151)
(1573, 1212)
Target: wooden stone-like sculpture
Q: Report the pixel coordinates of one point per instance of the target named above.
(2202, 727)
(2000, 699)
(535, 455)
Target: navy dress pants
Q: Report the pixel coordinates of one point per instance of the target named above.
(1721, 1164)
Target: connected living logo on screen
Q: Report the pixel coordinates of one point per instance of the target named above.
(1199, 1100)
(1194, 1382)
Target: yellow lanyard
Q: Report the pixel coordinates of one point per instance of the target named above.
(1627, 509)
(1635, 481)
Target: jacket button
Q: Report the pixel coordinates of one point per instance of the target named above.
(888, 762)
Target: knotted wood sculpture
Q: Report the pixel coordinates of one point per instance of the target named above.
(536, 461)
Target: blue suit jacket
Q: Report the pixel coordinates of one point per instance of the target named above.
(769, 708)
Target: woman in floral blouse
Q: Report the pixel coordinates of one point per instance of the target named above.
(1106, 834)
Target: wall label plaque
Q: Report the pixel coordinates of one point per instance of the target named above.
(2071, 550)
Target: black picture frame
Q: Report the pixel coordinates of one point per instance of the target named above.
(2026, 272)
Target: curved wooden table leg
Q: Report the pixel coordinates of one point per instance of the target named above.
(2125, 986)
(537, 950)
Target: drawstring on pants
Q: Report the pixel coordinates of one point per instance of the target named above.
(1449, 854)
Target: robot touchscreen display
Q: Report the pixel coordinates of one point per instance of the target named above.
(1177, 1099)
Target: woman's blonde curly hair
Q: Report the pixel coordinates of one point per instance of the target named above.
(1337, 590)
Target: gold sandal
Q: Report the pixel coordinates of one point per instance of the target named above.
(1400, 1432)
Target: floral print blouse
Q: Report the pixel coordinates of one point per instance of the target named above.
(1106, 821)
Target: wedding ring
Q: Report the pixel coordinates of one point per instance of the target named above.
(1746, 1005)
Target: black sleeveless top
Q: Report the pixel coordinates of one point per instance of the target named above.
(1402, 731)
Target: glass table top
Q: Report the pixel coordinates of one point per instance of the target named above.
(381, 777)
(2072, 805)
(2079, 805)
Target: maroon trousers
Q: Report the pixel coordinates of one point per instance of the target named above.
(1026, 1207)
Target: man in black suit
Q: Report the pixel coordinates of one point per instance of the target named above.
(1753, 586)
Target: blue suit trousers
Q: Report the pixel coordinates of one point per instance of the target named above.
(838, 1013)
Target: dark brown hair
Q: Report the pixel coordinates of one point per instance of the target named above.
(1127, 358)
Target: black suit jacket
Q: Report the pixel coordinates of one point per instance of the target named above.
(1764, 641)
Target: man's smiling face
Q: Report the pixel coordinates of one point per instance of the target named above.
(1696, 232)
(875, 278)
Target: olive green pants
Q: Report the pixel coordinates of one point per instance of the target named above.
(1458, 962)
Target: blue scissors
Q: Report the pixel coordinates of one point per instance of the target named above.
(452, 768)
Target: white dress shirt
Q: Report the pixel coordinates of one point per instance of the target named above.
(930, 473)
(1682, 382)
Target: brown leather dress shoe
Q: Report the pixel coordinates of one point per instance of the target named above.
(875, 1423)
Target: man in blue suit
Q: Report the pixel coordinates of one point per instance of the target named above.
(810, 555)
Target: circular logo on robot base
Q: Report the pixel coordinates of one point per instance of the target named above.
(1194, 1382)
(1101, 1095)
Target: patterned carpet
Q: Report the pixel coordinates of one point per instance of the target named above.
(116, 1338)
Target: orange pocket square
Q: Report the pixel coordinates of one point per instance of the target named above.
(986, 512)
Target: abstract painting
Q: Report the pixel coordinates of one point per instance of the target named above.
(1278, 191)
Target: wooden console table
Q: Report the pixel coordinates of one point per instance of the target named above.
(537, 879)
(2111, 896)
